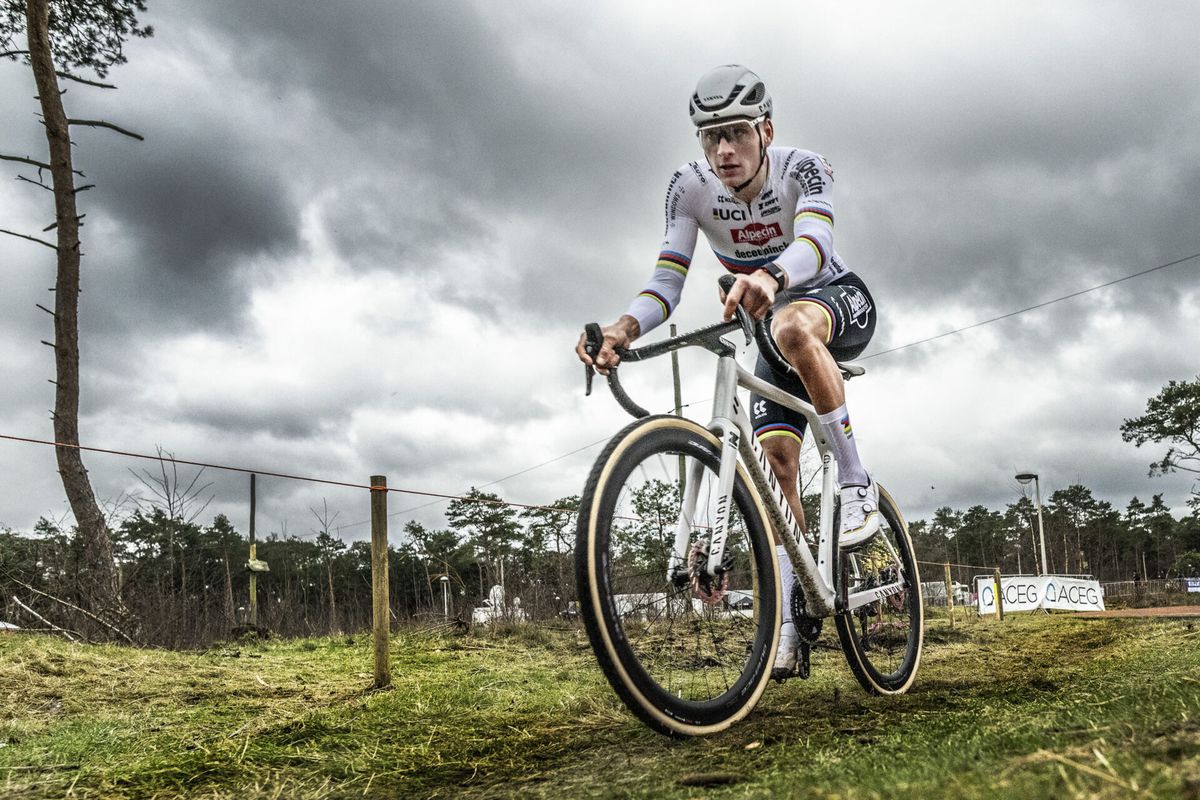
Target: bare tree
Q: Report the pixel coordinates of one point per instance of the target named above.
(330, 546)
(77, 36)
(182, 503)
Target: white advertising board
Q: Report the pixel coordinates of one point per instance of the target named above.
(1025, 593)
(1193, 584)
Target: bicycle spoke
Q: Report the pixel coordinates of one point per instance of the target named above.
(883, 638)
(679, 640)
(687, 652)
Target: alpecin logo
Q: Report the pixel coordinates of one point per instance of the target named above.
(756, 233)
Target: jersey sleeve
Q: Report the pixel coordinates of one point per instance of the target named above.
(665, 288)
(812, 243)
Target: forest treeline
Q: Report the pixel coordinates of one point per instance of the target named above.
(1083, 535)
(186, 584)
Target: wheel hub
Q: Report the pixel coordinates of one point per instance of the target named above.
(706, 588)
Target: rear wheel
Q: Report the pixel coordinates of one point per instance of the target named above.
(686, 656)
(882, 640)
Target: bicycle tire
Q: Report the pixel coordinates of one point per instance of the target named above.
(883, 654)
(683, 667)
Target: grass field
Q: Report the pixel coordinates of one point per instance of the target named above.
(1036, 706)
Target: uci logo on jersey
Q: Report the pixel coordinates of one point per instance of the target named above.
(736, 214)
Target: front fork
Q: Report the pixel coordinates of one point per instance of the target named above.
(724, 402)
(677, 570)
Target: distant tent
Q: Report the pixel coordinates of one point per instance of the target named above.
(8, 626)
(494, 608)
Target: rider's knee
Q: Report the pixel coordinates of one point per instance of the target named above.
(782, 458)
(798, 328)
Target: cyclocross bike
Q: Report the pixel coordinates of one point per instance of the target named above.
(677, 576)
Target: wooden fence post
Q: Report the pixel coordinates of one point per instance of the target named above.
(949, 596)
(253, 613)
(380, 606)
(999, 596)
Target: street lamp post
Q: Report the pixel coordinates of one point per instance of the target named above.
(445, 581)
(1025, 478)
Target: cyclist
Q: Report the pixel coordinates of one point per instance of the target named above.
(767, 213)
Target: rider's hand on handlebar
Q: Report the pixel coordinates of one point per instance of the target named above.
(754, 292)
(619, 335)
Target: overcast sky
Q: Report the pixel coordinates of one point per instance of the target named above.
(362, 237)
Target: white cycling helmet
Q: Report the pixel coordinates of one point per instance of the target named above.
(729, 92)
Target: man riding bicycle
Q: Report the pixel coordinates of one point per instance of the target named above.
(767, 213)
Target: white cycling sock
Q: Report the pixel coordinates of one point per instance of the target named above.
(786, 578)
(837, 430)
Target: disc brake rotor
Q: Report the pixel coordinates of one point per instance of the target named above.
(705, 588)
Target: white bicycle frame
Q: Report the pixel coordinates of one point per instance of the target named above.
(732, 426)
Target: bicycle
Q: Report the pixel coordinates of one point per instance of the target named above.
(677, 576)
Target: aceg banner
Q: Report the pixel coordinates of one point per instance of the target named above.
(1046, 591)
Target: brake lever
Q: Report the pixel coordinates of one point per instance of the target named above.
(743, 316)
(595, 340)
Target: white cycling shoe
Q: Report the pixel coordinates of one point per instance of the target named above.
(785, 657)
(859, 515)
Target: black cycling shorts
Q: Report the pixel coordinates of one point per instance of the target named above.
(850, 309)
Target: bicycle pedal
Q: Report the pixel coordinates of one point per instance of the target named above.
(781, 675)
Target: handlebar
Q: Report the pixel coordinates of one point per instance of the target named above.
(594, 341)
(709, 338)
(762, 333)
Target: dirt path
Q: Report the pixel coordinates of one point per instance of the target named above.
(1161, 611)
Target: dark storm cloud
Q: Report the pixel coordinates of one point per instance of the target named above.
(282, 422)
(376, 225)
(194, 212)
(510, 160)
(1020, 161)
(474, 130)
(427, 75)
(173, 220)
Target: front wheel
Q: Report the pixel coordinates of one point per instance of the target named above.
(687, 659)
(882, 640)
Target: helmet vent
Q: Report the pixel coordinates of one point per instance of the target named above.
(755, 95)
(721, 100)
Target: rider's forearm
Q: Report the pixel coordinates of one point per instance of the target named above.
(657, 300)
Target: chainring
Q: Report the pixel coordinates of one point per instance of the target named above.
(807, 628)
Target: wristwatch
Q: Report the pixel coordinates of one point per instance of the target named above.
(776, 272)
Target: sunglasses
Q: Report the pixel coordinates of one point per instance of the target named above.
(736, 133)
